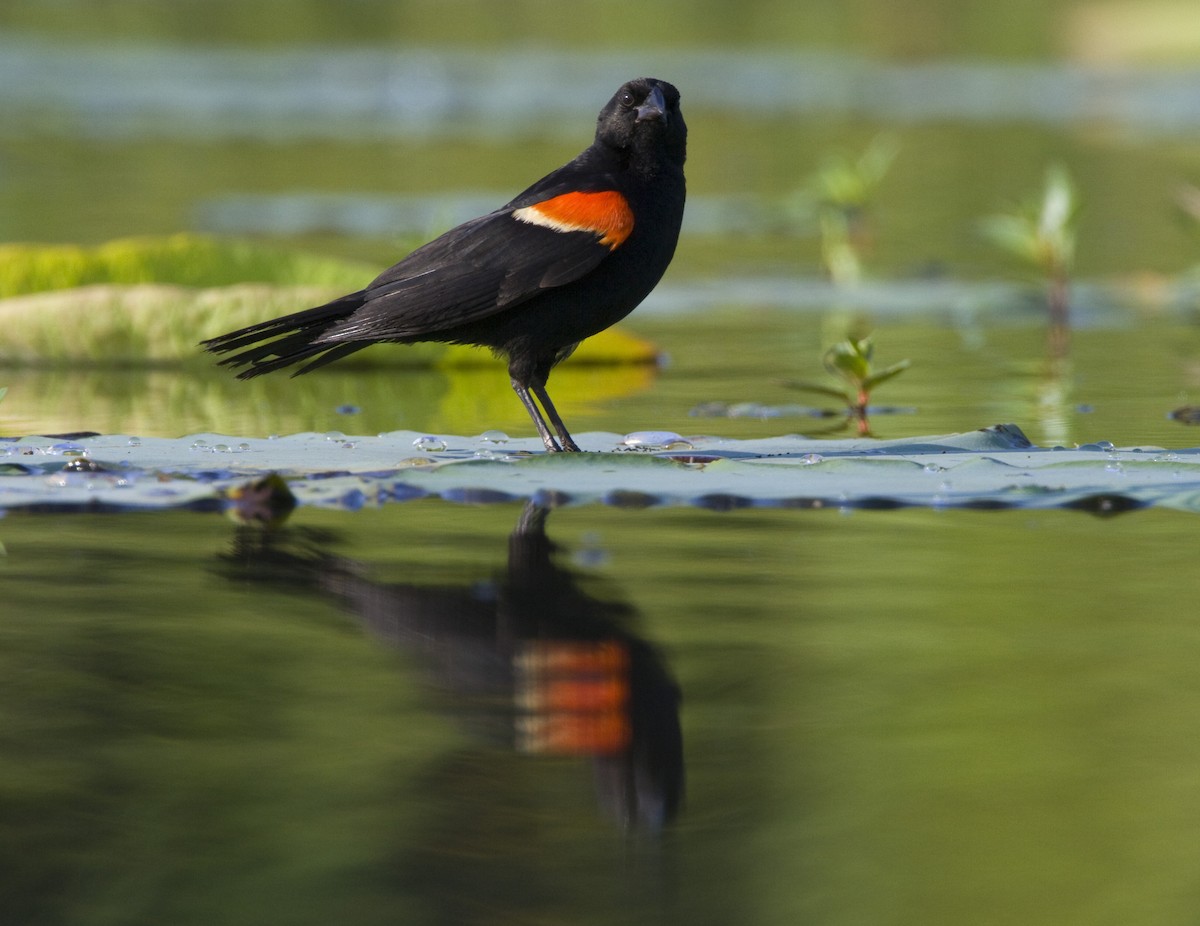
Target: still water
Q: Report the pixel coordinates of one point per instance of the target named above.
(437, 713)
(375, 718)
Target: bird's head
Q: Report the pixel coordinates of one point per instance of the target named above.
(644, 118)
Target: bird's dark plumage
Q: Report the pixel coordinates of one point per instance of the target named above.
(572, 255)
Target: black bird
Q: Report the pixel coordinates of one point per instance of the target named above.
(572, 255)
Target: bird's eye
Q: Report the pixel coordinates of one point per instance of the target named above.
(627, 98)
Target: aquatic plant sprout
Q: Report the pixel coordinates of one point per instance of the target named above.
(850, 361)
(1041, 233)
(839, 197)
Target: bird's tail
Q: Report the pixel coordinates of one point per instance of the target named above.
(290, 339)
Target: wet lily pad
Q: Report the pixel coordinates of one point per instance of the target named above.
(156, 323)
(187, 260)
(142, 301)
(996, 467)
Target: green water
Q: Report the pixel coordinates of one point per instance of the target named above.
(895, 717)
(903, 717)
(1118, 385)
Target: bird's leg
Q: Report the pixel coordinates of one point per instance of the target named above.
(539, 389)
(543, 431)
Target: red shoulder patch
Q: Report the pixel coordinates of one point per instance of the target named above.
(606, 215)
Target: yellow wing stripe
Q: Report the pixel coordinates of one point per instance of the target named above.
(606, 215)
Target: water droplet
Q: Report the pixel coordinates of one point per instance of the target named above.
(934, 468)
(812, 459)
(83, 465)
(334, 436)
(243, 447)
(220, 448)
(1115, 467)
(66, 449)
(654, 440)
(494, 437)
(201, 445)
(429, 444)
(349, 444)
(134, 442)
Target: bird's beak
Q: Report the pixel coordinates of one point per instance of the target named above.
(655, 107)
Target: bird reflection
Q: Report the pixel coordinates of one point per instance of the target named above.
(529, 659)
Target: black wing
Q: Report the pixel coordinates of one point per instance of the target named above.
(493, 262)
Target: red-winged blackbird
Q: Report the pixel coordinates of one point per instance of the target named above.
(572, 255)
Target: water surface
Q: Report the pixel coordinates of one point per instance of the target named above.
(877, 723)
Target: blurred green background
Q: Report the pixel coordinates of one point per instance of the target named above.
(889, 717)
(356, 131)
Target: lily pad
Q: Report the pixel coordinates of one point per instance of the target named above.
(156, 323)
(187, 260)
(995, 467)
